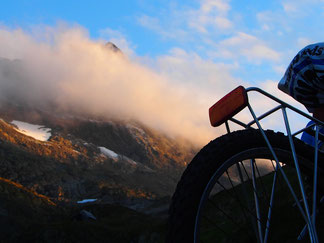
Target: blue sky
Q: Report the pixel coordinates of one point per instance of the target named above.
(197, 48)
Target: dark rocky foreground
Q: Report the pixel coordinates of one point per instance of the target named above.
(26, 216)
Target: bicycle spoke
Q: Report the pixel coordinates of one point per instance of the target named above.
(243, 175)
(255, 191)
(227, 215)
(248, 198)
(256, 201)
(261, 181)
(237, 198)
(245, 170)
(270, 206)
(235, 192)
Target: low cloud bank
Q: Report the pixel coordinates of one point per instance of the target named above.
(62, 66)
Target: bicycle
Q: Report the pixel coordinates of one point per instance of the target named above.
(252, 185)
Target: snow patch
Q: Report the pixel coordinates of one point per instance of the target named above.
(129, 161)
(87, 200)
(108, 152)
(117, 157)
(38, 132)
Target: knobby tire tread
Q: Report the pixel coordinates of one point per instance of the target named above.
(185, 201)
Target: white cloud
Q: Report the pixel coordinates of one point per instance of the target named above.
(223, 22)
(248, 46)
(290, 7)
(181, 23)
(300, 8)
(211, 14)
(280, 69)
(78, 73)
(261, 104)
(259, 52)
(171, 31)
(190, 69)
(266, 19)
(151, 23)
(239, 39)
(273, 22)
(221, 6)
(302, 42)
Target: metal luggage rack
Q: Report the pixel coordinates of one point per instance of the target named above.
(309, 213)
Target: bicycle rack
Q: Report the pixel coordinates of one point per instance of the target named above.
(308, 214)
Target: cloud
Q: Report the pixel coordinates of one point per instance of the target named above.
(179, 66)
(247, 46)
(75, 73)
(290, 7)
(165, 29)
(276, 121)
(268, 20)
(150, 22)
(301, 8)
(210, 14)
(303, 41)
(154, 24)
(280, 69)
(182, 23)
(222, 6)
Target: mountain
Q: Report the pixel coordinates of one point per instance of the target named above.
(112, 47)
(125, 165)
(52, 159)
(26, 216)
(106, 159)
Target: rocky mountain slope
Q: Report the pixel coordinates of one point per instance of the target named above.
(130, 170)
(125, 165)
(113, 161)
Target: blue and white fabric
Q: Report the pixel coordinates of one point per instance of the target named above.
(304, 77)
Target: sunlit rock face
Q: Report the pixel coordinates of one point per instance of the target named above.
(74, 157)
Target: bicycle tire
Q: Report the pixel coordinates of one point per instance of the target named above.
(206, 168)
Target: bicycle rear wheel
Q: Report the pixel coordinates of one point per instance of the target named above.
(224, 194)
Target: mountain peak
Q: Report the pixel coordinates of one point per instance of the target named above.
(111, 46)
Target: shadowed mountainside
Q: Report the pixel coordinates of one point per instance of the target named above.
(26, 216)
